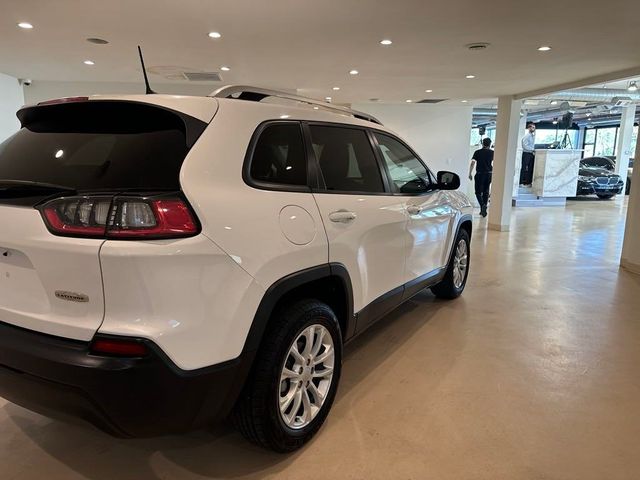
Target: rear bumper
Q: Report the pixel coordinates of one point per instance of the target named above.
(127, 397)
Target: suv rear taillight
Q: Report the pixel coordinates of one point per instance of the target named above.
(120, 217)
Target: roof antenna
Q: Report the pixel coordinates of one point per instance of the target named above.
(144, 72)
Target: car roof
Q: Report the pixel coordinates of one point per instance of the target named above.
(204, 108)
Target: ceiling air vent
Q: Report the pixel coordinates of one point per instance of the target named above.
(478, 46)
(432, 100)
(202, 76)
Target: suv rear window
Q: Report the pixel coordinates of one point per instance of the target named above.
(99, 145)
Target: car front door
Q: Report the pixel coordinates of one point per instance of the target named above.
(430, 214)
(364, 223)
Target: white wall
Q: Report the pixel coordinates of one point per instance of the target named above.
(11, 99)
(438, 133)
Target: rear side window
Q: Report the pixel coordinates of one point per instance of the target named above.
(279, 156)
(99, 145)
(346, 159)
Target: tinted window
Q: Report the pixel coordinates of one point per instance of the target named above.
(98, 145)
(279, 156)
(407, 172)
(346, 159)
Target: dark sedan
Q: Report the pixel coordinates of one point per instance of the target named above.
(597, 177)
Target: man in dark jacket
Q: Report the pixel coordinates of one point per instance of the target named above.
(483, 161)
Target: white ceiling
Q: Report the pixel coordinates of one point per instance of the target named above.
(310, 45)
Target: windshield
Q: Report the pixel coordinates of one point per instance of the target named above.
(97, 145)
(597, 162)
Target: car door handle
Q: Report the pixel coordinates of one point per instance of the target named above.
(342, 216)
(414, 209)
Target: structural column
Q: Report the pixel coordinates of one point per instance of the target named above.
(504, 162)
(631, 245)
(623, 150)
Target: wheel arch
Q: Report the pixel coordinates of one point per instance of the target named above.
(465, 223)
(329, 283)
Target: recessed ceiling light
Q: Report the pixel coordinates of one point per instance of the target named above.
(225, 68)
(353, 72)
(284, 116)
(428, 91)
(470, 76)
(385, 42)
(336, 88)
(59, 154)
(25, 25)
(544, 48)
(316, 108)
(464, 101)
(215, 35)
(89, 62)
(328, 99)
(408, 101)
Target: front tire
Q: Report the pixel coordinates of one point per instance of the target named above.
(455, 278)
(294, 378)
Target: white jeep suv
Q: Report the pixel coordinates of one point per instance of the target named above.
(166, 260)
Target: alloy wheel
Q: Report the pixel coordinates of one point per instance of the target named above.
(306, 376)
(460, 263)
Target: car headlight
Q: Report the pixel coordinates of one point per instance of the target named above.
(585, 179)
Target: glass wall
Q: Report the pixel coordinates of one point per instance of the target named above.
(602, 141)
(476, 138)
(589, 142)
(545, 137)
(606, 138)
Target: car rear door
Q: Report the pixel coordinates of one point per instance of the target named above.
(430, 223)
(365, 224)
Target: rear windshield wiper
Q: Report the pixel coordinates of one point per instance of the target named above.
(27, 187)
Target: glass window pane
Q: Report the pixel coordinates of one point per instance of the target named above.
(605, 141)
(279, 156)
(346, 159)
(547, 137)
(403, 166)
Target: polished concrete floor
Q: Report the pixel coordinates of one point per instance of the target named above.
(533, 374)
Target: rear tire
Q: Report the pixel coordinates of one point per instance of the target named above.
(605, 196)
(455, 278)
(262, 414)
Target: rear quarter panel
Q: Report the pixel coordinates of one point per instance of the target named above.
(246, 222)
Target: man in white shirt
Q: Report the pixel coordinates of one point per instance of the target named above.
(528, 155)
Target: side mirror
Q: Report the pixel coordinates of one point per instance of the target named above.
(416, 185)
(448, 180)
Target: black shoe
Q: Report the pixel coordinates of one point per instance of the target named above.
(483, 211)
